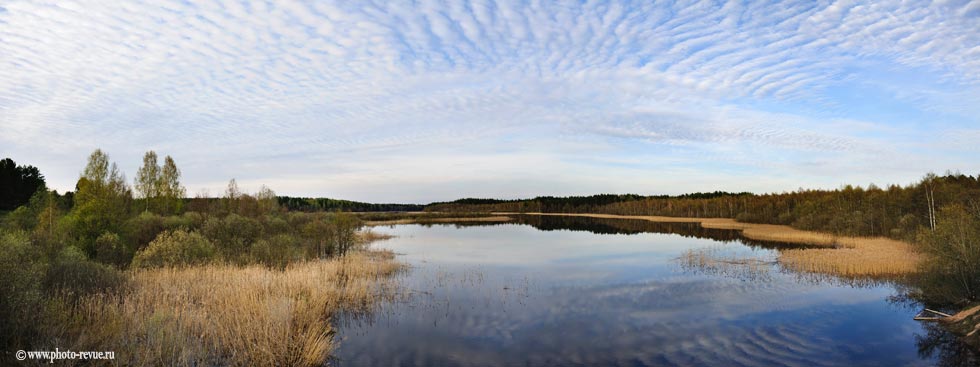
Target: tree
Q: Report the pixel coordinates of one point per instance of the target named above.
(952, 266)
(232, 195)
(171, 191)
(147, 183)
(18, 184)
(102, 201)
(268, 203)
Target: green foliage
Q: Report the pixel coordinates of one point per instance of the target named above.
(72, 273)
(345, 227)
(143, 228)
(170, 190)
(176, 248)
(233, 234)
(277, 251)
(275, 225)
(319, 235)
(895, 211)
(102, 201)
(147, 182)
(18, 184)
(327, 204)
(159, 187)
(22, 218)
(951, 272)
(21, 294)
(110, 249)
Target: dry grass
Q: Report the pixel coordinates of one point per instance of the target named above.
(229, 315)
(874, 257)
(857, 257)
(368, 236)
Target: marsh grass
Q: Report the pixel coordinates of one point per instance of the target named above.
(228, 315)
(717, 260)
(853, 257)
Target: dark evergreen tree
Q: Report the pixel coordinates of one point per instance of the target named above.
(18, 184)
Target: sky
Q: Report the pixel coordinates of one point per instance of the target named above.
(399, 101)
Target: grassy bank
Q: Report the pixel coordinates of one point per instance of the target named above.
(870, 257)
(227, 314)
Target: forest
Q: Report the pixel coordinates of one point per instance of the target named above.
(940, 215)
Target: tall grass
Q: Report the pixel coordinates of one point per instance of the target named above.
(867, 257)
(228, 315)
(855, 257)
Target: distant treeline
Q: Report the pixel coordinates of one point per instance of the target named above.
(326, 204)
(566, 204)
(894, 211)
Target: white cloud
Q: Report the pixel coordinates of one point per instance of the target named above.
(225, 86)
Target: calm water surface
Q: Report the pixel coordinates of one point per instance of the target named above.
(567, 292)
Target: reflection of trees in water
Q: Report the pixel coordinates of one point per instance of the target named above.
(937, 342)
(950, 350)
(630, 227)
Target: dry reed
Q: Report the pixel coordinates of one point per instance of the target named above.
(229, 315)
(874, 257)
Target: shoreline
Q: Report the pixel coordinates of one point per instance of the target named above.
(846, 256)
(495, 218)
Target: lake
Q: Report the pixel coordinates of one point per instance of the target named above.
(564, 291)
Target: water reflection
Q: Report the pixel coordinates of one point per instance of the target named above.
(511, 294)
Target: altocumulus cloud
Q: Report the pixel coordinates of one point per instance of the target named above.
(398, 101)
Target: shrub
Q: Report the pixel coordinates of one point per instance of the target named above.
(345, 228)
(176, 248)
(110, 249)
(73, 273)
(277, 251)
(194, 220)
(144, 228)
(232, 235)
(275, 225)
(319, 235)
(20, 289)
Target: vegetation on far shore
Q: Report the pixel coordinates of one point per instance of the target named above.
(938, 218)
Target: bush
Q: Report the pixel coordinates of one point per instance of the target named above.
(176, 248)
(74, 274)
(232, 235)
(20, 289)
(277, 251)
(110, 249)
(275, 225)
(144, 228)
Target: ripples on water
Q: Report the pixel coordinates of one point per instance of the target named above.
(583, 291)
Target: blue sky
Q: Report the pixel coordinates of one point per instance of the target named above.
(422, 101)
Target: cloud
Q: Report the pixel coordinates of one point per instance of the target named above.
(245, 84)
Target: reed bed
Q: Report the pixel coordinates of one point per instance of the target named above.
(856, 257)
(229, 315)
(871, 257)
